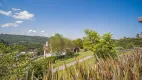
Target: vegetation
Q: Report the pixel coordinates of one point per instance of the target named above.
(129, 43)
(22, 39)
(78, 43)
(105, 66)
(58, 44)
(68, 59)
(28, 43)
(12, 64)
(101, 46)
(124, 67)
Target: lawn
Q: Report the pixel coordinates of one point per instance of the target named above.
(78, 55)
(85, 64)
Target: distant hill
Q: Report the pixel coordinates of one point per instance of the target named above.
(17, 39)
(29, 41)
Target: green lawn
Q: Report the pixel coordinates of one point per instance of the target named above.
(85, 64)
(81, 55)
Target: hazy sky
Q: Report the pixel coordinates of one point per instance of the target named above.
(70, 17)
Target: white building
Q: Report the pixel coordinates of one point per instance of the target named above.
(140, 35)
(46, 50)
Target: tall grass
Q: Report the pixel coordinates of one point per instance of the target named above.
(124, 67)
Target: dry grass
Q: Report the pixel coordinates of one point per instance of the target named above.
(125, 67)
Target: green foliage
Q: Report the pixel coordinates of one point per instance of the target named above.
(129, 43)
(28, 42)
(12, 64)
(92, 38)
(40, 52)
(58, 43)
(121, 68)
(105, 47)
(101, 46)
(78, 43)
(137, 36)
(41, 66)
(124, 67)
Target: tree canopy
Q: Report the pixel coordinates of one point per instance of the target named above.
(58, 43)
(102, 46)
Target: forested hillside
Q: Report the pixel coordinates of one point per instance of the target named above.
(34, 42)
(18, 39)
(129, 42)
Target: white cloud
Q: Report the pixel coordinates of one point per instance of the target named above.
(42, 31)
(19, 22)
(8, 13)
(45, 34)
(23, 15)
(15, 9)
(9, 25)
(32, 31)
(12, 24)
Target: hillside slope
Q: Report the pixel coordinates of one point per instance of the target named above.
(28, 41)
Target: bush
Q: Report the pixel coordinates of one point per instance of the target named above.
(102, 46)
(69, 53)
(85, 50)
(52, 59)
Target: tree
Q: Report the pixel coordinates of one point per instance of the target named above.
(137, 36)
(105, 47)
(12, 64)
(101, 46)
(58, 44)
(68, 43)
(92, 38)
(78, 43)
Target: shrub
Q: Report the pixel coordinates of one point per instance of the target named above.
(69, 53)
(102, 46)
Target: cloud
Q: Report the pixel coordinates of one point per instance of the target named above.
(25, 15)
(32, 31)
(12, 24)
(9, 25)
(19, 22)
(42, 31)
(8, 13)
(45, 34)
(15, 9)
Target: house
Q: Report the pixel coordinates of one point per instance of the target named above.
(46, 50)
(140, 35)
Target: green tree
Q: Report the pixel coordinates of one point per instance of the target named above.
(92, 38)
(68, 43)
(12, 64)
(137, 36)
(78, 43)
(101, 46)
(58, 44)
(105, 47)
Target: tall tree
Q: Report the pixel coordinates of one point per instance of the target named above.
(58, 43)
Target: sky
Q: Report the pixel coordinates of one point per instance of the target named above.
(70, 17)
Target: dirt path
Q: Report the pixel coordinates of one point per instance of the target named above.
(70, 64)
